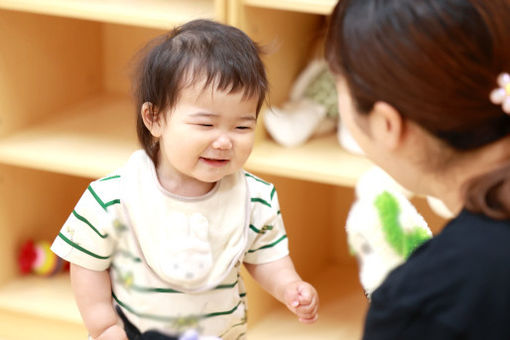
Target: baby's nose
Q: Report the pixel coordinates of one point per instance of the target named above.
(223, 142)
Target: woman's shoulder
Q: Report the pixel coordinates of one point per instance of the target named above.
(466, 265)
(469, 242)
(476, 222)
(476, 236)
(469, 251)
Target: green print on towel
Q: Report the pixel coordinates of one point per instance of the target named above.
(401, 241)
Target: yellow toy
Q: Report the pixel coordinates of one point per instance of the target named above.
(37, 258)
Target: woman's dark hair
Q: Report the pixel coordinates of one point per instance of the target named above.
(436, 62)
(201, 49)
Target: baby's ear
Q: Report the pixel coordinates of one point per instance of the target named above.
(151, 119)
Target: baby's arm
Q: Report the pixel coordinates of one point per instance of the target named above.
(281, 280)
(93, 293)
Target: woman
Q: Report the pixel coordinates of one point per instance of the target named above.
(424, 88)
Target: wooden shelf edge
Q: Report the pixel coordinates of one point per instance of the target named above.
(320, 160)
(162, 14)
(323, 7)
(36, 296)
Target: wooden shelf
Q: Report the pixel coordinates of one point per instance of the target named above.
(342, 306)
(319, 160)
(45, 305)
(80, 141)
(41, 296)
(341, 314)
(162, 14)
(79, 128)
(324, 7)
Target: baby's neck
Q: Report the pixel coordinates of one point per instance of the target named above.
(180, 184)
(195, 189)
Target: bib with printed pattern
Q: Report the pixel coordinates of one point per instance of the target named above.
(189, 243)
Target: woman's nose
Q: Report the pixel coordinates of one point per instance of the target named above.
(222, 142)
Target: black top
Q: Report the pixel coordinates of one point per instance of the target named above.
(455, 286)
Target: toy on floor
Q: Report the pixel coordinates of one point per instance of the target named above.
(383, 227)
(312, 110)
(37, 258)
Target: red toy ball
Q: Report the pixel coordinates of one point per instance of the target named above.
(37, 258)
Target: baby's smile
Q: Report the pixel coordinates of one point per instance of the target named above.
(216, 162)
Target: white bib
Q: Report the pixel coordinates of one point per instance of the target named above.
(191, 244)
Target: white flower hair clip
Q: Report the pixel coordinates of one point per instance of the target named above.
(501, 95)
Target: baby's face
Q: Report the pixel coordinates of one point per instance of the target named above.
(209, 134)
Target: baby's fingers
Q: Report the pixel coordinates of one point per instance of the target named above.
(308, 313)
(308, 296)
(305, 296)
(308, 316)
(310, 319)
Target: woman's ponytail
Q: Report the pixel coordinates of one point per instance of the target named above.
(489, 194)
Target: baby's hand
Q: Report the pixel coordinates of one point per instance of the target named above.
(302, 299)
(114, 332)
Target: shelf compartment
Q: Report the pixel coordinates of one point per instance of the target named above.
(45, 304)
(341, 313)
(45, 297)
(90, 139)
(324, 7)
(319, 160)
(96, 136)
(162, 14)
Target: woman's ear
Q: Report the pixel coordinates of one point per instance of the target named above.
(151, 119)
(386, 125)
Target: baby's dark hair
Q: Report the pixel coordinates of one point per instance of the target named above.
(222, 55)
(435, 61)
